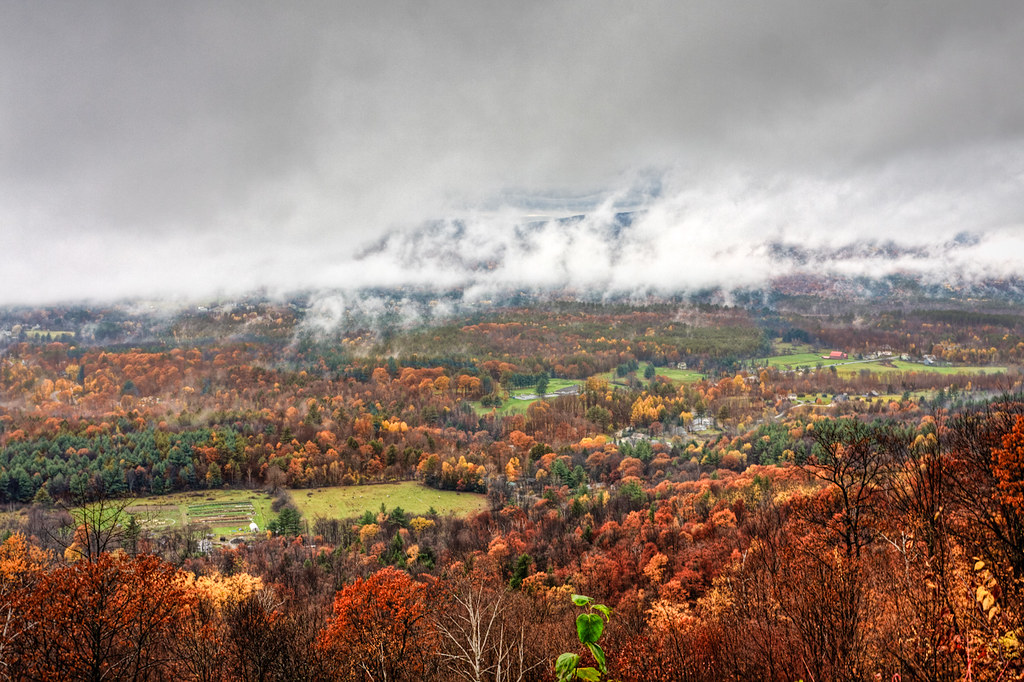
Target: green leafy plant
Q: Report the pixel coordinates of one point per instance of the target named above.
(589, 628)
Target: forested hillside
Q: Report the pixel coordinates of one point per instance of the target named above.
(755, 495)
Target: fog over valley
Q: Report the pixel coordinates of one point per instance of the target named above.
(196, 151)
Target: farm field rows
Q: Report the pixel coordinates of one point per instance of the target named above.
(227, 512)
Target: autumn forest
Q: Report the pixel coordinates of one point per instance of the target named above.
(667, 490)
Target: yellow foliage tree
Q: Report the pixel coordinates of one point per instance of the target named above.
(512, 469)
(367, 533)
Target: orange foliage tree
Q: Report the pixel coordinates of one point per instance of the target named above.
(1008, 464)
(21, 563)
(379, 630)
(113, 618)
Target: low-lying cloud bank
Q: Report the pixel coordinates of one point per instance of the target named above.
(735, 234)
(683, 235)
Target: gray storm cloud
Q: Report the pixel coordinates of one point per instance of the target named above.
(190, 149)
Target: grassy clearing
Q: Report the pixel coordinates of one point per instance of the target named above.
(507, 407)
(513, 406)
(229, 512)
(794, 360)
(888, 367)
(965, 369)
(853, 366)
(782, 348)
(348, 501)
(677, 376)
(553, 385)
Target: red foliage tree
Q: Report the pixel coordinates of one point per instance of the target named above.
(379, 630)
(108, 619)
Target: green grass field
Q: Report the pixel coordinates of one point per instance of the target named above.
(677, 376)
(802, 359)
(513, 406)
(852, 366)
(902, 366)
(347, 501)
(229, 512)
(507, 407)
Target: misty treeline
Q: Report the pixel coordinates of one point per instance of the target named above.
(252, 427)
(81, 422)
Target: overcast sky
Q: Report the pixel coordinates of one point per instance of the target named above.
(195, 148)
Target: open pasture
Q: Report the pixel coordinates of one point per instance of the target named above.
(792, 361)
(414, 498)
(508, 407)
(514, 405)
(885, 366)
(229, 512)
(676, 376)
(679, 376)
(853, 366)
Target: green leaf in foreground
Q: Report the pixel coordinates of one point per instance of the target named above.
(589, 627)
(598, 656)
(565, 664)
(580, 600)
